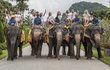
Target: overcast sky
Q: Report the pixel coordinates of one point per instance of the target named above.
(58, 5)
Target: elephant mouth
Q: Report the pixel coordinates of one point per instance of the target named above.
(97, 38)
(37, 34)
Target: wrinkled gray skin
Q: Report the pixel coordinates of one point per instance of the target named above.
(94, 41)
(77, 32)
(37, 41)
(66, 41)
(11, 36)
(19, 44)
(55, 41)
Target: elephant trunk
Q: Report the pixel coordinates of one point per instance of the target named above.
(77, 38)
(59, 38)
(13, 42)
(97, 38)
(37, 35)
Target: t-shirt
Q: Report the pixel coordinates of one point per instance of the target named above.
(12, 22)
(32, 18)
(8, 18)
(70, 15)
(51, 19)
(18, 17)
(74, 15)
(77, 20)
(86, 16)
(95, 21)
(37, 21)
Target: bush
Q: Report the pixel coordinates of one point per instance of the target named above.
(2, 39)
(2, 47)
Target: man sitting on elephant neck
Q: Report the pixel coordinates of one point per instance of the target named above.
(37, 21)
(95, 21)
(12, 21)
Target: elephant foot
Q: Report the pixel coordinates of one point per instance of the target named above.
(64, 53)
(72, 57)
(85, 55)
(50, 55)
(69, 54)
(89, 58)
(100, 58)
(8, 59)
(38, 56)
(59, 58)
(15, 57)
(20, 56)
(77, 57)
(12, 59)
(32, 54)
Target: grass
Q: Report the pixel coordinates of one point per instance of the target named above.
(3, 55)
(4, 52)
(105, 59)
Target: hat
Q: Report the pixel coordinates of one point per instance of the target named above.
(13, 16)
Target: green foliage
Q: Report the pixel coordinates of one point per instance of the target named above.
(2, 47)
(21, 5)
(4, 7)
(82, 6)
(106, 26)
(104, 13)
(26, 31)
(2, 39)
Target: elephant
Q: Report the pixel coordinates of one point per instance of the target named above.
(55, 41)
(94, 33)
(37, 40)
(12, 34)
(76, 37)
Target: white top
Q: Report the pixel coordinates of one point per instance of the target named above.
(51, 19)
(70, 15)
(74, 15)
(32, 18)
(86, 16)
(8, 17)
(18, 17)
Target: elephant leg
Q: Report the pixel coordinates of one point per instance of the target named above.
(50, 47)
(32, 49)
(54, 50)
(72, 52)
(15, 52)
(20, 49)
(85, 46)
(89, 51)
(69, 50)
(39, 49)
(9, 51)
(57, 52)
(77, 51)
(64, 49)
(99, 52)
